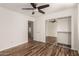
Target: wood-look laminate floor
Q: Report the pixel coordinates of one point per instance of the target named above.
(39, 49)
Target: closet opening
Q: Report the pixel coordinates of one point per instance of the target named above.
(58, 31)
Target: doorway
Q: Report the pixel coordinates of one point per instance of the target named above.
(59, 30)
(30, 31)
(51, 33)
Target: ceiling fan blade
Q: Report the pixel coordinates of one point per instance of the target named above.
(43, 6)
(41, 11)
(33, 5)
(28, 8)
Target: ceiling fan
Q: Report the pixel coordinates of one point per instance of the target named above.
(35, 8)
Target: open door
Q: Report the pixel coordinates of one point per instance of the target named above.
(30, 31)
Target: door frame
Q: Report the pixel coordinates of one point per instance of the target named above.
(71, 28)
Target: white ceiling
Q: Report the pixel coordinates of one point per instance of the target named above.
(53, 7)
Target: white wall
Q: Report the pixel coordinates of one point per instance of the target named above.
(63, 13)
(51, 29)
(78, 22)
(13, 28)
(39, 32)
(75, 28)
